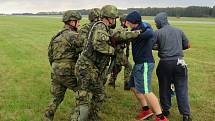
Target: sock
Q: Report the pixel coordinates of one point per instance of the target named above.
(145, 108)
(161, 116)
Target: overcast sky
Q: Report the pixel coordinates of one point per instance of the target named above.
(34, 6)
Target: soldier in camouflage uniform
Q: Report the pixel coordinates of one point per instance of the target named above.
(63, 52)
(121, 58)
(94, 16)
(92, 63)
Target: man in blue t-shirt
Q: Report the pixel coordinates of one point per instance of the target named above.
(144, 65)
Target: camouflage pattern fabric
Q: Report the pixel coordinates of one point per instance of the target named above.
(94, 15)
(90, 69)
(71, 15)
(83, 32)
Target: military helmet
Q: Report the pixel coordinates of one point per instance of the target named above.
(71, 15)
(122, 17)
(109, 11)
(94, 13)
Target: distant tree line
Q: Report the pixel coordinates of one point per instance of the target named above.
(191, 11)
(2, 14)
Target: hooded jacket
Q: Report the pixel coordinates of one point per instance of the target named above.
(171, 41)
(142, 46)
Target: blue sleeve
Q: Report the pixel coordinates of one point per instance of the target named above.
(146, 25)
(147, 34)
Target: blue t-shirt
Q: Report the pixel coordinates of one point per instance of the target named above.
(142, 46)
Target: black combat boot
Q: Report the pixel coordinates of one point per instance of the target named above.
(49, 114)
(187, 118)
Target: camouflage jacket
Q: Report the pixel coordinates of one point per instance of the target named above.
(83, 32)
(64, 46)
(122, 35)
(98, 47)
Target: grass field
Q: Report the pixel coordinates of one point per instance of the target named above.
(25, 73)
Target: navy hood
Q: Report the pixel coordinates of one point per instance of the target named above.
(161, 20)
(134, 17)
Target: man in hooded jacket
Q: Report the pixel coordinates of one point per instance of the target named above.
(171, 42)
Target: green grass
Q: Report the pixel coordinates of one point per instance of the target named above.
(25, 73)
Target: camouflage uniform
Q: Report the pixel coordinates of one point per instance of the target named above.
(63, 52)
(94, 16)
(91, 66)
(121, 59)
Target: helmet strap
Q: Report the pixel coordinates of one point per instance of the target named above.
(71, 26)
(108, 20)
(75, 23)
(112, 26)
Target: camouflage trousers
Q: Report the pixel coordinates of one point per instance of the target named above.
(59, 85)
(90, 95)
(118, 67)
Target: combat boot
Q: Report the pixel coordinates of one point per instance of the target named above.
(49, 114)
(187, 118)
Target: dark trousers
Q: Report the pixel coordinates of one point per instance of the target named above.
(169, 72)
